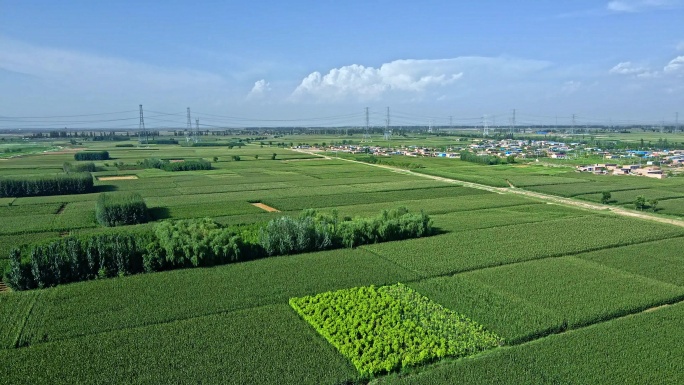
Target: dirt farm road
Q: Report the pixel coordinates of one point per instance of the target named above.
(514, 190)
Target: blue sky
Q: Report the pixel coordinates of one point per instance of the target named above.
(323, 62)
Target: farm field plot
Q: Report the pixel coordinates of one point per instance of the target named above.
(25, 210)
(608, 183)
(580, 291)
(56, 199)
(219, 208)
(6, 201)
(540, 180)
(71, 310)
(660, 260)
(264, 345)
(297, 198)
(468, 250)
(672, 206)
(28, 224)
(511, 317)
(438, 205)
(499, 175)
(628, 350)
(629, 196)
(303, 202)
(14, 309)
(467, 176)
(485, 218)
(66, 216)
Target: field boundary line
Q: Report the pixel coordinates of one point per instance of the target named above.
(569, 254)
(417, 273)
(25, 319)
(142, 325)
(528, 193)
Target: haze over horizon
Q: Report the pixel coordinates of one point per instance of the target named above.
(321, 63)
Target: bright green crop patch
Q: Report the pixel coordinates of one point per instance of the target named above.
(382, 329)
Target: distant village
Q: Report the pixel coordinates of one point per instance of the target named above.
(620, 162)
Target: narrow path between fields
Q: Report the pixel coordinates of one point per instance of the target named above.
(515, 190)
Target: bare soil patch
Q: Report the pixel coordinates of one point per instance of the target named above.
(656, 308)
(3, 287)
(176, 160)
(120, 177)
(265, 207)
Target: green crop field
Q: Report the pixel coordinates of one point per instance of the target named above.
(660, 260)
(509, 289)
(468, 250)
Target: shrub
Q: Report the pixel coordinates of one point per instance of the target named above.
(79, 167)
(163, 141)
(73, 259)
(468, 156)
(187, 165)
(287, 235)
(193, 243)
(60, 184)
(91, 155)
(117, 209)
(153, 163)
(196, 242)
(313, 231)
(605, 197)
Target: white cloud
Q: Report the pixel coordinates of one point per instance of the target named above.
(260, 89)
(627, 68)
(92, 72)
(675, 65)
(571, 86)
(408, 76)
(640, 5)
(369, 82)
